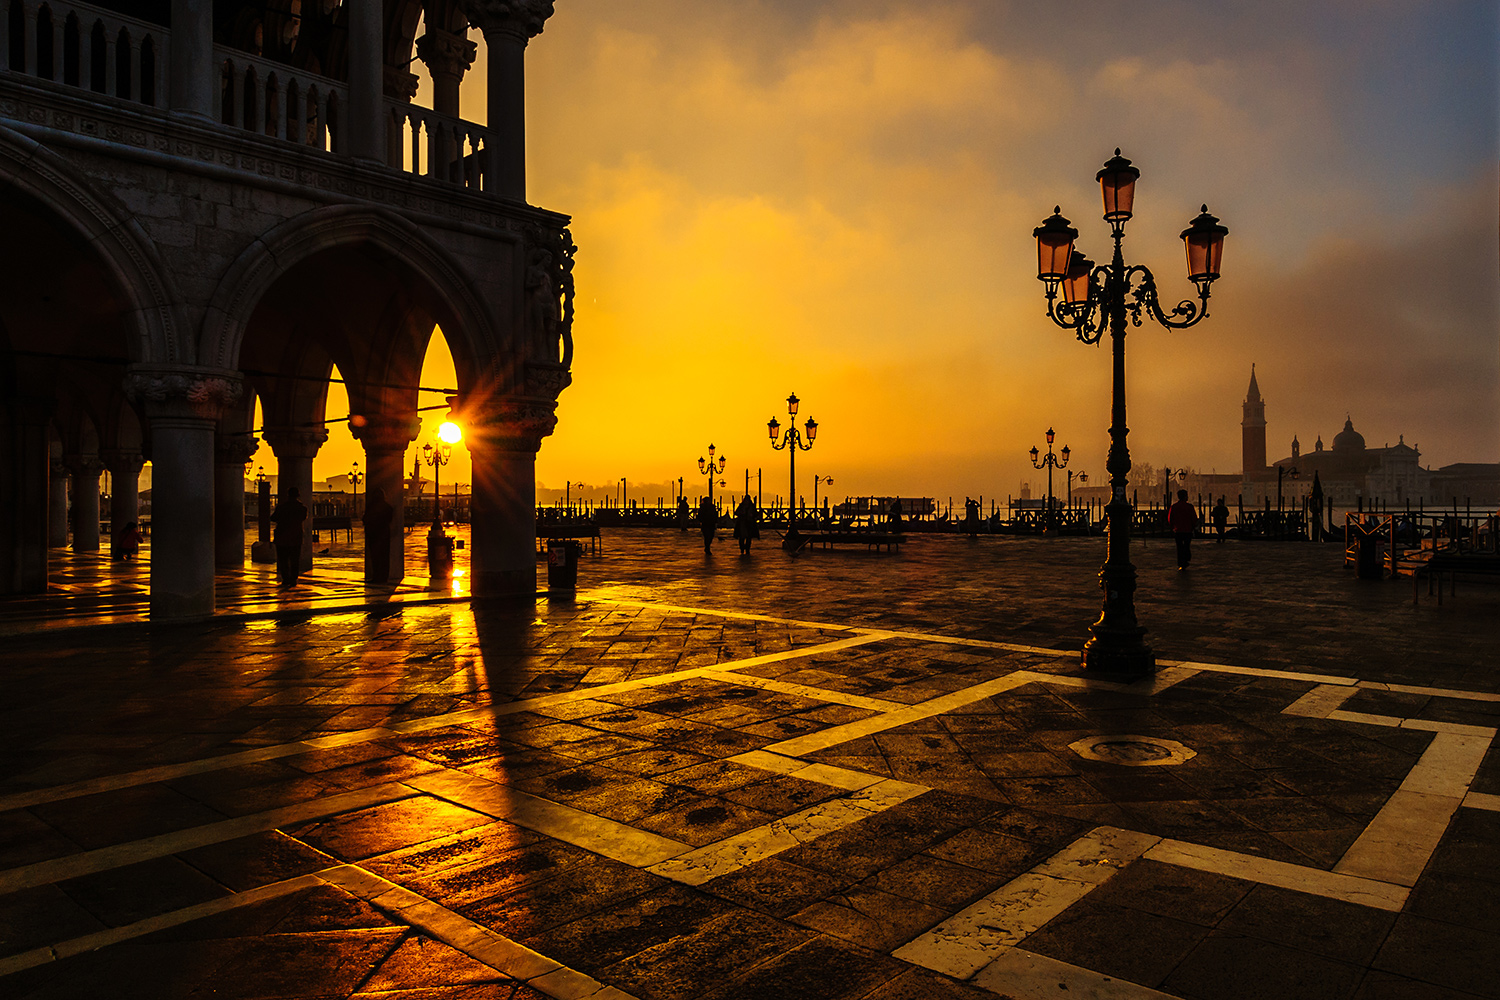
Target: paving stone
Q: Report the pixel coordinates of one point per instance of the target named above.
(1242, 968)
(384, 828)
(1443, 954)
(1134, 945)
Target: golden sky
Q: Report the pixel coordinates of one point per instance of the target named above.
(836, 198)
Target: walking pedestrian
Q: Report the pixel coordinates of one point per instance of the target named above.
(1221, 518)
(708, 522)
(746, 523)
(684, 514)
(1182, 520)
(288, 517)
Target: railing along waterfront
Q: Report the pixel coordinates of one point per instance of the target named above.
(79, 45)
(427, 144)
(279, 101)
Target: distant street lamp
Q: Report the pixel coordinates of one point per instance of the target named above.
(1283, 472)
(624, 495)
(439, 552)
(355, 477)
(1093, 298)
(1049, 462)
(792, 443)
(710, 470)
(1083, 477)
(826, 481)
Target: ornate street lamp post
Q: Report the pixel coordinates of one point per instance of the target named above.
(1083, 477)
(439, 549)
(826, 481)
(792, 443)
(1049, 462)
(710, 470)
(1095, 298)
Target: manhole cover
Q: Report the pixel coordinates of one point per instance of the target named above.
(1132, 751)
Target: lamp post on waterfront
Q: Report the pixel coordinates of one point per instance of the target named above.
(439, 550)
(1282, 472)
(826, 481)
(710, 470)
(1049, 462)
(1083, 477)
(792, 442)
(1095, 298)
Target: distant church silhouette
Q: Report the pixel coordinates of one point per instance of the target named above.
(1351, 471)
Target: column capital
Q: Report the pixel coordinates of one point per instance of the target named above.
(522, 19)
(446, 53)
(384, 432)
(184, 391)
(122, 461)
(59, 469)
(295, 442)
(400, 83)
(234, 448)
(511, 423)
(84, 466)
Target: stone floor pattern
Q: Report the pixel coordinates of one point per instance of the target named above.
(622, 798)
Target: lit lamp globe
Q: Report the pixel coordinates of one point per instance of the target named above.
(1117, 184)
(1204, 239)
(1054, 248)
(1075, 284)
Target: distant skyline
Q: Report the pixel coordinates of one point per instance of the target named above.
(836, 198)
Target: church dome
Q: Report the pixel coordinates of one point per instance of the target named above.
(1348, 439)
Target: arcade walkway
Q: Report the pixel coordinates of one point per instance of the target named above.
(852, 776)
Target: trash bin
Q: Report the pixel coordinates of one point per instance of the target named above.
(1367, 565)
(562, 564)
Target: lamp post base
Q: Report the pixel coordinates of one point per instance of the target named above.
(1118, 652)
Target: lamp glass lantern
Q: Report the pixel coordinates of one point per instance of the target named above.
(1117, 184)
(1054, 248)
(1051, 435)
(774, 427)
(1204, 240)
(792, 402)
(1075, 284)
(1065, 454)
(812, 430)
(700, 463)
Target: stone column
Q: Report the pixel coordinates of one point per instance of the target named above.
(365, 126)
(295, 448)
(84, 488)
(448, 56)
(508, 25)
(182, 405)
(57, 506)
(231, 452)
(125, 486)
(386, 439)
(193, 87)
(503, 442)
(23, 496)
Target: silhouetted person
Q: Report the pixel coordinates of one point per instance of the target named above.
(971, 516)
(287, 536)
(746, 523)
(127, 543)
(378, 517)
(893, 519)
(684, 514)
(1221, 518)
(708, 522)
(1182, 520)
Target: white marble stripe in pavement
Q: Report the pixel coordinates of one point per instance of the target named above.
(1397, 844)
(1300, 878)
(1433, 691)
(149, 848)
(478, 942)
(732, 676)
(167, 772)
(1482, 800)
(175, 918)
(979, 934)
(1320, 701)
(1023, 975)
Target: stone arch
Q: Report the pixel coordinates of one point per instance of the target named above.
(468, 323)
(121, 245)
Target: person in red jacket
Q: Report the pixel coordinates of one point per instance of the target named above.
(1182, 521)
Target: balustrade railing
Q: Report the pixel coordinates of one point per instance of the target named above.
(83, 46)
(280, 101)
(427, 144)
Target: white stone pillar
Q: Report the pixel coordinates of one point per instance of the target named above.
(23, 496)
(295, 448)
(503, 439)
(57, 506)
(182, 405)
(125, 487)
(193, 88)
(231, 452)
(366, 113)
(385, 439)
(84, 489)
(507, 26)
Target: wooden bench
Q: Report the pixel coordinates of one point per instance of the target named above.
(333, 525)
(869, 539)
(544, 532)
(1453, 563)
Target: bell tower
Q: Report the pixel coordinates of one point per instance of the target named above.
(1253, 429)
